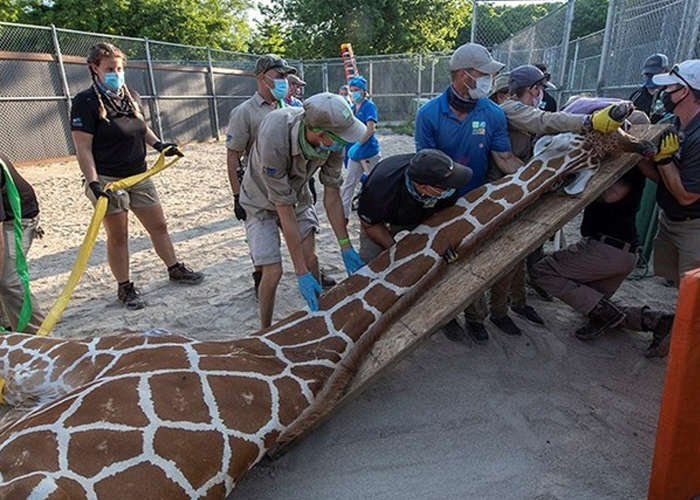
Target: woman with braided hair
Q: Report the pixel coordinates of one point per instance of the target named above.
(110, 137)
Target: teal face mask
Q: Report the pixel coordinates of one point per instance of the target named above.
(357, 95)
(114, 81)
(335, 146)
(280, 89)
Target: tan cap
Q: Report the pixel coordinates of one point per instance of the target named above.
(473, 55)
(271, 61)
(500, 83)
(295, 80)
(331, 112)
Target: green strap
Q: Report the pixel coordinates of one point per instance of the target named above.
(16, 204)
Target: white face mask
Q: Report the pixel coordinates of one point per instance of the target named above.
(538, 98)
(483, 86)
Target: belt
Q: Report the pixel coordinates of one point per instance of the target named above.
(682, 219)
(614, 242)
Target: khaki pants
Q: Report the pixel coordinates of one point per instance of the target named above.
(11, 288)
(676, 248)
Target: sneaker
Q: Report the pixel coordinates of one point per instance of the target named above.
(183, 274)
(327, 281)
(477, 332)
(507, 325)
(604, 315)
(529, 313)
(454, 331)
(130, 296)
(257, 277)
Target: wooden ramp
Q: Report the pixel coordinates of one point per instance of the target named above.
(474, 274)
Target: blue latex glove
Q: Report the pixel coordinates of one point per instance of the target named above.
(310, 289)
(352, 260)
(352, 151)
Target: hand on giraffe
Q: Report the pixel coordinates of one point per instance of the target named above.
(669, 144)
(352, 260)
(310, 290)
(601, 121)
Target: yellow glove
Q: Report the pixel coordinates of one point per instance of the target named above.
(602, 122)
(669, 144)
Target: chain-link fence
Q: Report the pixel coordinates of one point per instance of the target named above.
(188, 92)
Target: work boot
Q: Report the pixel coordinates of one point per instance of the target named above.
(130, 296)
(257, 277)
(661, 324)
(454, 331)
(529, 313)
(477, 332)
(183, 274)
(506, 325)
(604, 315)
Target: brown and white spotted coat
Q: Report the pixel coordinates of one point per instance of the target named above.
(167, 417)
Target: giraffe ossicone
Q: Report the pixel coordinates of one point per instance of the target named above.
(165, 416)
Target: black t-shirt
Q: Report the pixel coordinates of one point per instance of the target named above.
(646, 101)
(617, 220)
(384, 197)
(548, 103)
(688, 161)
(28, 202)
(118, 145)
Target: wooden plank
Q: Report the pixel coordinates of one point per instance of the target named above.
(474, 274)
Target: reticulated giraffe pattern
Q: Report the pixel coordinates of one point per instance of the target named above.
(167, 417)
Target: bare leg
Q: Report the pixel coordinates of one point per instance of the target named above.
(153, 221)
(117, 227)
(271, 275)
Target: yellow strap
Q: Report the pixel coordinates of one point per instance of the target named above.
(2, 389)
(89, 242)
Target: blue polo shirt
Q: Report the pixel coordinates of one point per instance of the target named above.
(469, 141)
(367, 113)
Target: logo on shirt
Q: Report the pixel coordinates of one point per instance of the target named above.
(269, 171)
(77, 122)
(478, 128)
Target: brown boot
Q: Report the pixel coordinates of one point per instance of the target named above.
(661, 324)
(604, 315)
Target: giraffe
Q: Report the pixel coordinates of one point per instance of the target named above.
(164, 416)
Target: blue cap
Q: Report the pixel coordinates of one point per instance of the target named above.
(359, 82)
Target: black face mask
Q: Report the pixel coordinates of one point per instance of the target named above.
(458, 102)
(669, 105)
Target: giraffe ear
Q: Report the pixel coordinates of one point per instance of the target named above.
(578, 183)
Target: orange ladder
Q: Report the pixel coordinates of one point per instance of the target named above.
(349, 65)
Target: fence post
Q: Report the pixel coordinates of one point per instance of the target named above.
(604, 54)
(214, 101)
(574, 64)
(675, 471)
(420, 75)
(324, 74)
(371, 77)
(61, 71)
(475, 7)
(432, 76)
(566, 38)
(154, 92)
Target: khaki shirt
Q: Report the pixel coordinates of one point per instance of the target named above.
(526, 122)
(244, 122)
(278, 172)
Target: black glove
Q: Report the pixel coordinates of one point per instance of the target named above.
(168, 148)
(97, 190)
(238, 208)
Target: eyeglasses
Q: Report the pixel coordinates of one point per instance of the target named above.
(674, 71)
(331, 135)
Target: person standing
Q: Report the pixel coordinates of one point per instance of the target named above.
(12, 288)
(364, 154)
(471, 129)
(295, 86)
(271, 74)
(676, 169)
(292, 144)
(548, 103)
(110, 137)
(647, 98)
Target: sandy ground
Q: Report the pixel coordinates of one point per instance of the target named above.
(542, 416)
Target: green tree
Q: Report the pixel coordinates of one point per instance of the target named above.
(219, 24)
(589, 17)
(270, 34)
(316, 28)
(9, 11)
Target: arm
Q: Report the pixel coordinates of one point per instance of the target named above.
(368, 134)
(671, 176)
(151, 137)
(379, 233)
(233, 164)
(506, 162)
(535, 121)
(83, 153)
(290, 230)
(649, 170)
(616, 192)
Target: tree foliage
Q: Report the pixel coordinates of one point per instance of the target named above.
(270, 34)
(589, 17)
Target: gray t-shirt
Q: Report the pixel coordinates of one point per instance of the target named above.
(244, 122)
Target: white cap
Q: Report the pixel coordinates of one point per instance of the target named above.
(473, 55)
(686, 73)
(331, 113)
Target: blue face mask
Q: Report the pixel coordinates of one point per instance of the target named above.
(357, 95)
(649, 82)
(335, 146)
(279, 91)
(114, 81)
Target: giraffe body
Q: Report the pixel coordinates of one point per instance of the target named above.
(156, 417)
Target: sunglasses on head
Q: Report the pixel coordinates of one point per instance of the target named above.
(331, 135)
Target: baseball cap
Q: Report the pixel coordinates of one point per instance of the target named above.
(432, 167)
(291, 78)
(686, 73)
(526, 76)
(655, 64)
(271, 61)
(500, 83)
(331, 113)
(473, 55)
